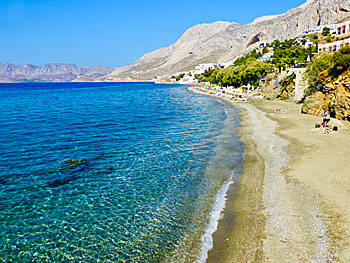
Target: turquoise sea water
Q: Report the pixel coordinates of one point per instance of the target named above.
(112, 172)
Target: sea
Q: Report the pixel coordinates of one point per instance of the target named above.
(113, 172)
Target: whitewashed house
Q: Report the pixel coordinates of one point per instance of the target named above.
(342, 39)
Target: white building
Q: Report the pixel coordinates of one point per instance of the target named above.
(201, 68)
(266, 57)
(342, 36)
(188, 80)
(319, 29)
(334, 46)
(343, 28)
(228, 63)
(308, 44)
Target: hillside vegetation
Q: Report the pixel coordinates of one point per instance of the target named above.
(248, 70)
(327, 75)
(329, 85)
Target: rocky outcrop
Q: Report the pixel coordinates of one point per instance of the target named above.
(279, 86)
(223, 41)
(334, 98)
(50, 72)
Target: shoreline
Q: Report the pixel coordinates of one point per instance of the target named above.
(280, 211)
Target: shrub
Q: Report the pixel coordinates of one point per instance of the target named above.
(265, 50)
(180, 76)
(326, 31)
(345, 50)
(323, 75)
(250, 72)
(341, 60)
(313, 38)
(320, 63)
(287, 80)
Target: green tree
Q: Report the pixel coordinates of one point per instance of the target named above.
(250, 72)
(313, 38)
(322, 62)
(341, 60)
(326, 31)
(276, 43)
(289, 60)
(247, 69)
(265, 50)
(180, 76)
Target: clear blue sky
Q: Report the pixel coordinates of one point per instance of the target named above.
(111, 32)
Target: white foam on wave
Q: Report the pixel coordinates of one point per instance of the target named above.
(219, 203)
(215, 215)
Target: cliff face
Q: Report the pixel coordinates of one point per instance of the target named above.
(222, 41)
(335, 98)
(49, 72)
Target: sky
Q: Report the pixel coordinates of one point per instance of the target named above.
(111, 32)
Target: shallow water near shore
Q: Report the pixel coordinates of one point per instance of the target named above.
(127, 172)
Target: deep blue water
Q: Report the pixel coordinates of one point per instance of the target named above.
(112, 172)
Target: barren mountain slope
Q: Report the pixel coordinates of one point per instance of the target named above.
(223, 41)
(49, 72)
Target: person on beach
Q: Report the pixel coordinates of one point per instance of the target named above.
(327, 130)
(325, 120)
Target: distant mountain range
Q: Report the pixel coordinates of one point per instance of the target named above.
(57, 72)
(221, 42)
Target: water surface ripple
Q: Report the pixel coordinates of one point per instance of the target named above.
(111, 172)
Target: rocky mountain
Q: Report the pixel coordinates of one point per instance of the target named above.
(223, 41)
(50, 72)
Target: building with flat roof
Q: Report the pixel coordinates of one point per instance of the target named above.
(333, 46)
(319, 29)
(342, 39)
(343, 28)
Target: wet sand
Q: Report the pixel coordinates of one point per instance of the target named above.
(292, 203)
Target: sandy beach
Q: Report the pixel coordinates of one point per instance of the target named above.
(316, 189)
(292, 201)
